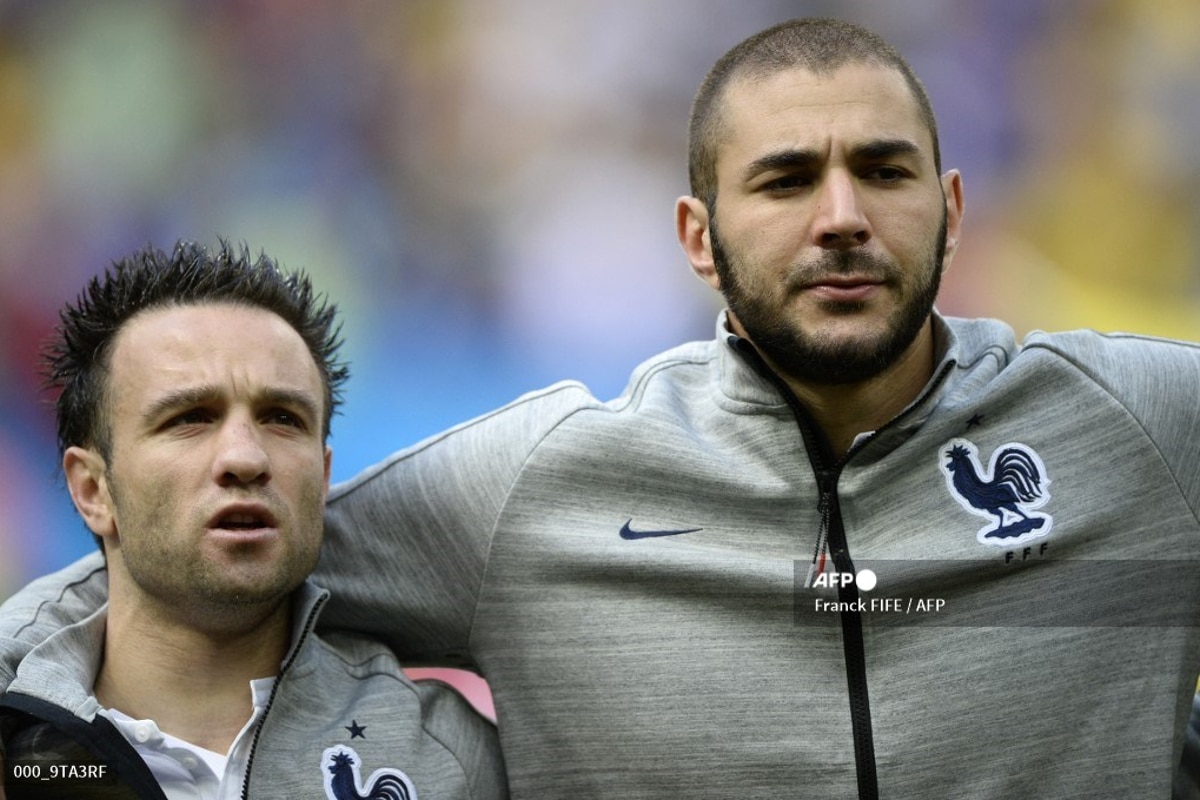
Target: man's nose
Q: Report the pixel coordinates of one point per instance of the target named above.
(241, 457)
(840, 221)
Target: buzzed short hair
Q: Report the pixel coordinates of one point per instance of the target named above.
(818, 45)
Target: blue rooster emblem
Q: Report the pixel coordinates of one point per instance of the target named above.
(343, 780)
(1014, 484)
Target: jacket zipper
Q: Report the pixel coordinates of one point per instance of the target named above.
(828, 469)
(853, 647)
(833, 535)
(262, 721)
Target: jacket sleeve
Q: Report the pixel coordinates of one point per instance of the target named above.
(46, 605)
(407, 541)
(1158, 383)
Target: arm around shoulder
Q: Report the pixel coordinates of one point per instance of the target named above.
(407, 541)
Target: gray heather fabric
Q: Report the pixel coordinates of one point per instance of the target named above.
(692, 664)
(330, 688)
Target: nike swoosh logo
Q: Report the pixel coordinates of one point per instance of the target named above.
(629, 533)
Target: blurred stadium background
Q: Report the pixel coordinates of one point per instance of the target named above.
(486, 186)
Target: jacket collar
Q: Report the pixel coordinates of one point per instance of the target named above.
(968, 352)
(307, 604)
(62, 669)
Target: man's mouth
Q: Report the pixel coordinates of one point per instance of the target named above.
(241, 522)
(844, 288)
(244, 518)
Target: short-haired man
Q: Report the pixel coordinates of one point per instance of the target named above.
(668, 592)
(197, 391)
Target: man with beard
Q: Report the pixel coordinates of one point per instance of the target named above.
(817, 556)
(196, 396)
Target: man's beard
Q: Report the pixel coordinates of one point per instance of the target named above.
(807, 357)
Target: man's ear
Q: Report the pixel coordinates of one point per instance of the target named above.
(87, 481)
(952, 188)
(691, 226)
(328, 471)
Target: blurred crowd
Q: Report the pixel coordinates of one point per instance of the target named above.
(486, 186)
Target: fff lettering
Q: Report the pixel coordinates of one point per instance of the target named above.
(1026, 553)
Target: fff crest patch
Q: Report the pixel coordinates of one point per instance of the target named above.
(343, 778)
(1006, 493)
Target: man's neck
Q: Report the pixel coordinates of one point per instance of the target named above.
(843, 412)
(195, 685)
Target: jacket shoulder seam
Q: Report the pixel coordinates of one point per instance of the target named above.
(1095, 380)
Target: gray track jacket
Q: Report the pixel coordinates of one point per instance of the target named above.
(666, 591)
(343, 720)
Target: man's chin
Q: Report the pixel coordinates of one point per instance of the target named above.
(841, 356)
(847, 338)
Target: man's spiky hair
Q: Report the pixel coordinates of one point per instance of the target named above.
(77, 359)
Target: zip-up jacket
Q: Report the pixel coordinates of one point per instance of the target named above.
(670, 593)
(342, 721)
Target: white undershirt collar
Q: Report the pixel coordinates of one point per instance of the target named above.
(185, 771)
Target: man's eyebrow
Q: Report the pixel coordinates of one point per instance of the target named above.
(789, 159)
(181, 398)
(880, 149)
